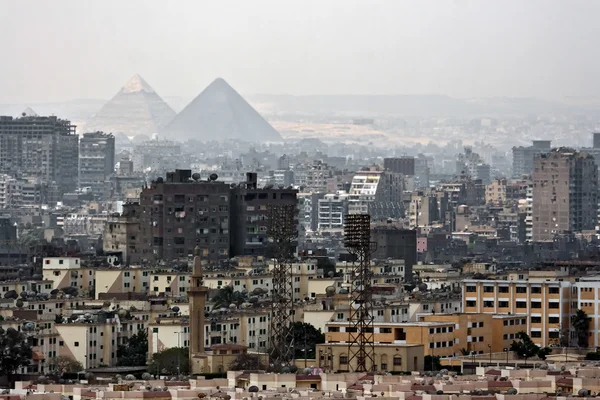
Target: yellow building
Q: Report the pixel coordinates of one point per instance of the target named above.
(547, 304)
(437, 337)
(334, 357)
(113, 280)
(475, 333)
(588, 292)
(67, 271)
(169, 284)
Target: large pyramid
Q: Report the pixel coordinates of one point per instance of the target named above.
(136, 109)
(220, 113)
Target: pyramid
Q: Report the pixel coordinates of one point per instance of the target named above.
(28, 112)
(220, 113)
(137, 109)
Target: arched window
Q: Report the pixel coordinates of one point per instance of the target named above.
(397, 361)
(384, 362)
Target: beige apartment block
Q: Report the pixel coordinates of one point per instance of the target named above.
(548, 304)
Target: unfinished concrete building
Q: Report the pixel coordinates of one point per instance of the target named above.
(96, 161)
(40, 147)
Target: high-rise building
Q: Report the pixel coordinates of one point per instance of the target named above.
(183, 212)
(96, 160)
(179, 213)
(396, 243)
(565, 193)
(524, 157)
(332, 209)
(378, 193)
(596, 141)
(250, 215)
(40, 147)
(403, 165)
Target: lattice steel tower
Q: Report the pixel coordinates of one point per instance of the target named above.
(361, 346)
(282, 232)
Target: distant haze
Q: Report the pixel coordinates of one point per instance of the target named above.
(74, 49)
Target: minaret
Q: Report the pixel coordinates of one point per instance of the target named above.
(197, 298)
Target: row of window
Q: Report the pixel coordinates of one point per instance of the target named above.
(518, 289)
(518, 304)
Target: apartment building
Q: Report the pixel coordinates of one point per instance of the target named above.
(331, 210)
(178, 214)
(121, 233)
(96, 161)
(68, 272)
(524, 157)
(547, 304)
(40, 147)
(565, 193)
(588, 300)
(120, 280)
(438, 338)
(480, 333)
(250, 215)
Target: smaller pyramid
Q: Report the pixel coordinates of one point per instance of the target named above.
(220, 113)
(135, 110)
(28, 112)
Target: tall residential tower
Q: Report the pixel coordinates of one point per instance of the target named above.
(565, 193)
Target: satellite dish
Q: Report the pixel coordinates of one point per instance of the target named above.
(330, 291)
(159, 179)
(196, 176)
(213, 177)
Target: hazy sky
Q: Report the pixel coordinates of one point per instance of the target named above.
(61, 50)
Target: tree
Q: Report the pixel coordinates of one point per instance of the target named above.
(15, 352)
(543, 352)
(134, 353)
(432, 363)
(64, 365)
(581, 324)
(306, 339)
(167, 361)
(247, 362)
(227, 296)
(525, 348)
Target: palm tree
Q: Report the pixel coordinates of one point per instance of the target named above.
(581, 325)
(227, 296)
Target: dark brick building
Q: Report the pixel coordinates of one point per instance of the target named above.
(182, 211)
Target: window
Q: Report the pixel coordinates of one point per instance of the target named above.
(503, 289)
(554, 305)
(553, 290)
(536, 320)
(521, 289)
(503, 304)
(471, 303)
(76, 344)
(536, 304)
(471, 289)
(553, 320)
(397, 361)
(488, 303)
(536, 334)
(536, 290)
(521, 304)
(488, 289)
(343, 360)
